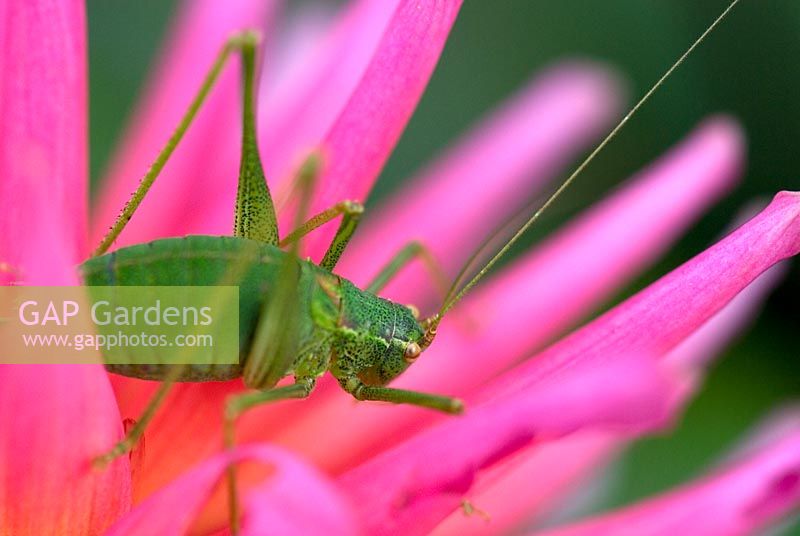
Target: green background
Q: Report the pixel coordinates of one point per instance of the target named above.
(748, 68)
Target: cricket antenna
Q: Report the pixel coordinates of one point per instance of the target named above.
(453, 295)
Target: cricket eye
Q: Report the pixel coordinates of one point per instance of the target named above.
(414, 311)
(412, 352)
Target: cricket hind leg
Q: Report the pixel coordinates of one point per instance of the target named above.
(274, 343)
(235, 406)
(245, 43)
(255, 212)
(254, 215)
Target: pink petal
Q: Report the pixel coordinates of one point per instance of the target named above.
(664, 314)
(740, 499)
(693, 354)
(54, 419)
(531, 484)
(616, 238)
(668, 311)
(433, 506)
(548, 472)
(298, 501)
(295, 123)
(485, 177)
(293, 499)
(299, 38)
(411, 487)
(204, 168)
(359, 141)
(658, 318)
(42, 140)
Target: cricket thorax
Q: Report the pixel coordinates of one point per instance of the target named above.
(375, 339)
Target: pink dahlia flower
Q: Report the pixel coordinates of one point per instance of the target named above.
(538, 420)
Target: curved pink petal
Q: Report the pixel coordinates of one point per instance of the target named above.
(43, 136)
(485, 177)
(543, 293)
(702, 346)
(204, 168)
(298, 40)
(423, 506)
(738, 499)
(668, 311)
(413, 486)
(292, 125)
(548, 472)
(359, 141)
(54, 419)
(298, 501)
(293, 499)
(532, 484)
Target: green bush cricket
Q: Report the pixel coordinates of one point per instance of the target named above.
(296, 318)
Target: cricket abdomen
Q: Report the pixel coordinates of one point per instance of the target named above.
(195, 261)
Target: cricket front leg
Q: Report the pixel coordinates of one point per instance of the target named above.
(360, 391)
